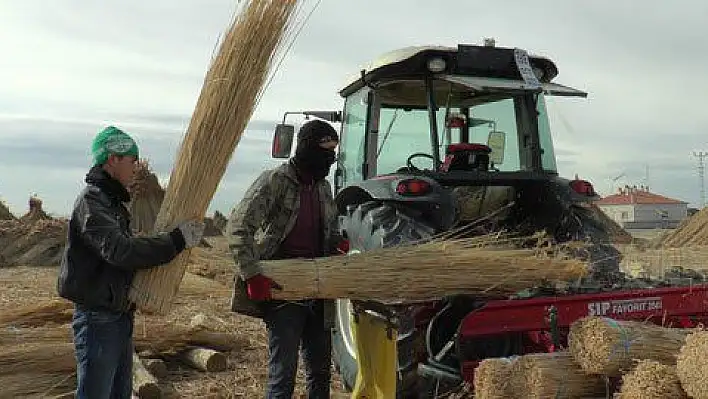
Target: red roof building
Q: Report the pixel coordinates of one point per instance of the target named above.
(638, 208)
(637, 196)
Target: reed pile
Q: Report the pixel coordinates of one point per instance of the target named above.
(691, 232)
(5, 213)
(36, 369)
(56, 311)
(37, 243)
(605, 346)
(618, 235)
(692, 365)
(146, 196)
(493, 379)
(220, 221)
(556, 375)
(231, 90)
(651, 380)
(210, 229)
(489, 265)
(35, 211)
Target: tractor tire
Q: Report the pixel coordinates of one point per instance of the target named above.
(373, 225)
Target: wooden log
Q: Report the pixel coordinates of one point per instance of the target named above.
(156, 367)
(205, 359)
(459, 267)
(217, 340)
(144, 384)
(605, 346)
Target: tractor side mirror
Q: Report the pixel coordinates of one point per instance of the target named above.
(497, 142)
(283, 141)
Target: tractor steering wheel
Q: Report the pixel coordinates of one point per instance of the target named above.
(409, 162)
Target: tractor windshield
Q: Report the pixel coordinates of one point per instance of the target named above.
(405, 132)
(389, 130)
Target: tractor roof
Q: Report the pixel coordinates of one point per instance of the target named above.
(471, 60)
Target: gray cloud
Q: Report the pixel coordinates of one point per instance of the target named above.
(641, 61)
(53, 165)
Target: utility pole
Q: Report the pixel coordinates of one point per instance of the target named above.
(701, 155)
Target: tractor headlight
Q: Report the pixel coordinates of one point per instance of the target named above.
(436, 65)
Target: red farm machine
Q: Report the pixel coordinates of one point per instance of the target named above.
(436, 137)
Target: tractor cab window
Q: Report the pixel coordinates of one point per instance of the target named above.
(497, 117)
(404, 134)
(351, 146)
(548, 157)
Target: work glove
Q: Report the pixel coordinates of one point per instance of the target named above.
(342, 248)
(192, 232)
(259, 287)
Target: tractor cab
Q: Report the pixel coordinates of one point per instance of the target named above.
(472, 116)
(470, 109)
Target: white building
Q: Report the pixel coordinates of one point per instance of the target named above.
(637, 208)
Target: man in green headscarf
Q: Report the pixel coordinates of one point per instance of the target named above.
(99, 262)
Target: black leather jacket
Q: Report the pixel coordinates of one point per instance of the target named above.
(101, 255)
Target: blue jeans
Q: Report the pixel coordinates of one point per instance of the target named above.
(289, 325)
(104, 354)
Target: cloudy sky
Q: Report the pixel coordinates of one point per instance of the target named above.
(71, 66)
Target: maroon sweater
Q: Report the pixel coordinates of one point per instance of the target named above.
(305, 239)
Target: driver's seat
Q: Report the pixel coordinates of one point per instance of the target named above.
(466, 157)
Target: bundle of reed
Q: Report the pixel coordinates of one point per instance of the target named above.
(484, 266)
(605, 346)
(220, 221)
(493, 379)
(56, 311)
(146, 197)
(651, 380)
(692, 365)
(32, 243)
(555, 375)
(232, 87)
(210, 229)
(46, 357)
(36, 369)
(46, 334)
(38, 385)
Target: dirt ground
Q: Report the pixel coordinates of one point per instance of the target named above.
(205, 289)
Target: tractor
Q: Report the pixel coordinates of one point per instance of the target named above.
(436, 139)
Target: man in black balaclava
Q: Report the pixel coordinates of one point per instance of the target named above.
(315, 148)
(294, 204)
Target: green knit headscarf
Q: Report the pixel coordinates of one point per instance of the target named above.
(112, 140)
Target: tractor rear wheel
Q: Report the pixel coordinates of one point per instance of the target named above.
(374, 225)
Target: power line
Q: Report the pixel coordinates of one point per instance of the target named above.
(701, 155)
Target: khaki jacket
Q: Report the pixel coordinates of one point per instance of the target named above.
(267, 214)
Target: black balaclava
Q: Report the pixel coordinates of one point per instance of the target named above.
(309, 156)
